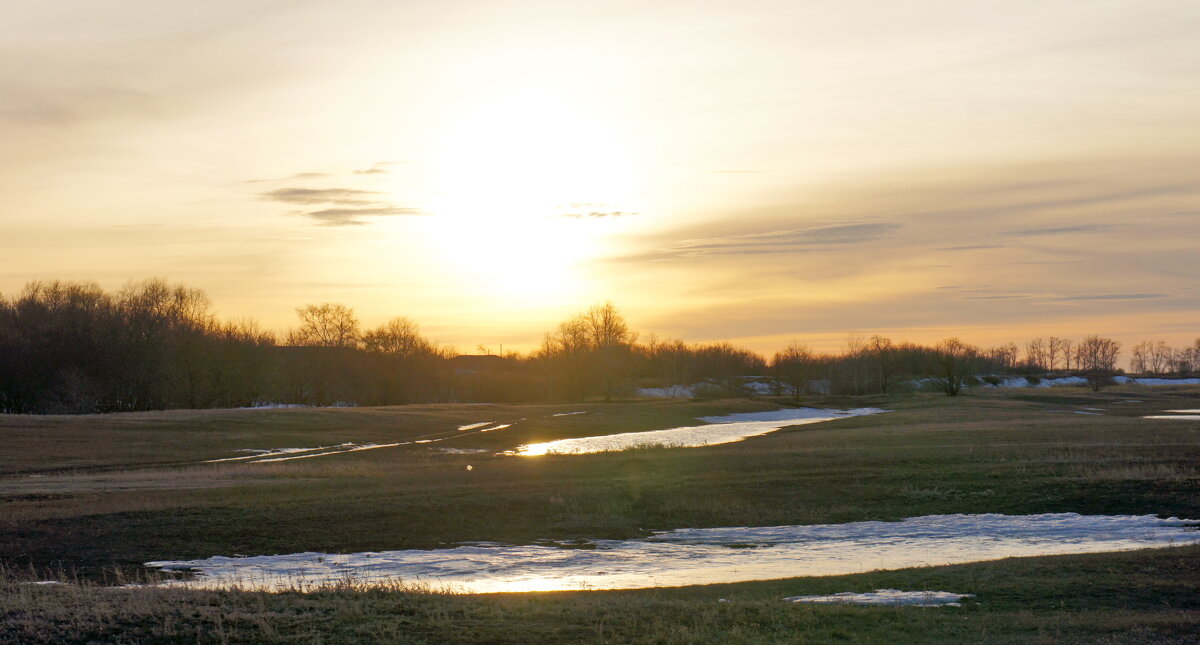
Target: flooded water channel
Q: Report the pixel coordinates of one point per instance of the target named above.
(701, 556)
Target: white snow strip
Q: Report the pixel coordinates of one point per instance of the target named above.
(703, 556)
(889, 597)
(499, 427)
(45, 582)
(1189, 411)
(670, 392)
(723, 429)
(462, 451)
(567, 414)
(1183, 417)
(472, 426)
(1096, 409)
(1163, 381)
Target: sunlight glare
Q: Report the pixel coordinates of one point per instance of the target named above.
(526, 187)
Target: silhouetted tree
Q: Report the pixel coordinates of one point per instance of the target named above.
(956, 361)
(325, 325)
(1098, 359)
(795, 366)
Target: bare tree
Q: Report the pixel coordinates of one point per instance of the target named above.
(1139, 358)
(956, 361)
(325, 325)
(852, 358)
(794, 368)
(1098, 359)
(1036, 354)
(399, 337)
(1054, 349)
(1068, 352)
(883, 354)
(1004, 355)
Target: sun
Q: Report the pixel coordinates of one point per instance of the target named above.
(525, 188)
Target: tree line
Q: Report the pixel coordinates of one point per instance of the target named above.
(72, 347)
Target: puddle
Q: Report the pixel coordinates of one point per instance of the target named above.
(723, 429)
(702, 556)
(263, 456)
(1181, 415)
(889, 597)
(267, 455)
(352, 448)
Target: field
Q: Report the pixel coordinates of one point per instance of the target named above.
(90, 498)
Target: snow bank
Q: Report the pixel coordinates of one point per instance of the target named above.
(702, 556)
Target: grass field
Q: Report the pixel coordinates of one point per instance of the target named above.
(90, 498)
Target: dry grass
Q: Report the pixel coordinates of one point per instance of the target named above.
(119, 490)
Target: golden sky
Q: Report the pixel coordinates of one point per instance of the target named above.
(752, 171)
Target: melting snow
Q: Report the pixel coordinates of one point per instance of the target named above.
(472, 426)
(1184, 417)
(889, 597)
(723, 429)
(567, 414)
(703, 556)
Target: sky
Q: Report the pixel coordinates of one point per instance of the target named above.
(753, 171)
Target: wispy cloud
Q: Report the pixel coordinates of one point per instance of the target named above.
(349, 206)
(592, 210)
(1060, 230)
(1113, 296)
(353, 216)
(348, 196)
(783, 241)
(377, 168)
(971, 247)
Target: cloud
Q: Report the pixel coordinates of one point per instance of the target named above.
(970, 247)
(377, 168)
(309, 196)
(1113, 296)
(348, 206)
(351, 216)
(590, 210)
(783, 241)
(1060, 230)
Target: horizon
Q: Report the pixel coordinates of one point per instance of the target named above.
(752, 174)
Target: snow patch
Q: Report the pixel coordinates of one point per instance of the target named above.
(472, 426)
(889, 597)
(567, 414)
(1184, 417)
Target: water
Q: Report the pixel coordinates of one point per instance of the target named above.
(723, 429)
(702, 556)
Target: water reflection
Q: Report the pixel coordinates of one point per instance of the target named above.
(703, 556)
(722, 429)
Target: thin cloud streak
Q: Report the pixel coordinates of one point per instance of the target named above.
(349, 196)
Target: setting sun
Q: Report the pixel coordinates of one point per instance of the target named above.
(527, 187)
